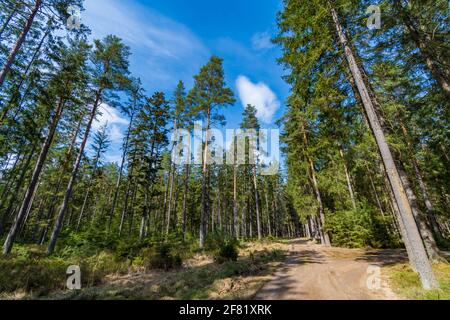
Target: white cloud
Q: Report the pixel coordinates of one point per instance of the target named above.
(262, 40)
(160, 46)
(115, 134)
(260, 96)
(110, 115)
(117, 125)
(114, 157)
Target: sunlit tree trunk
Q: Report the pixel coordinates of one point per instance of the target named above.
(27, 201)
(185, 198)
(413, 240)
(15, 95)
(171, 184)
(422, 185)
(258, 213)
(347, 175)
(324, 236)
(73, 176)
(63, 169)
(269, 224)
(119, 178)
(425, 232)
(19, 183)
(205, 198)
(235, 201)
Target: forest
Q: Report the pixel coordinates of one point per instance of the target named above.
(364, 142)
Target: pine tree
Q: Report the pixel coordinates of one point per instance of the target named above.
(110, 58)
(70, 78)
(208, 94)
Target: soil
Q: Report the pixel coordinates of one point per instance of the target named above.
(315, 272)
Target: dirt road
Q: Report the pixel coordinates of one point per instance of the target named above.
(314, 272)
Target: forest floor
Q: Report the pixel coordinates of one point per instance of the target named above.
(200, 277)
(267, 270)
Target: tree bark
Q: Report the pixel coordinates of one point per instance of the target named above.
(19, 42)
(422, 185)
(27, 201)
(125, 206)
(324, 236)
(414, 241)
(63, 169)
(258, 213)
(185, 195)
(347, 175)
(171, 183)
(235, 204)
(269, 224)
(122, 165)
(427, 236)
(76, 166)
(15, 95)
(205, 197)
(17, 188)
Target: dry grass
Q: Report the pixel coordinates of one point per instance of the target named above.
(199, 278)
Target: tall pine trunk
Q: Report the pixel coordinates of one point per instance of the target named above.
(269, 224)
(17, 187)
(63, 169)
(205, 197)
(324, 236)
(423, 187)
(15, 50)
(29, 195)
(73, 176)
(235, 201)
(347, 176)
(418, 255)
(258, 213)
(185, 195)
(171, 183)
(125, 206)
(119, 178)
(24, 76)
(425, 232)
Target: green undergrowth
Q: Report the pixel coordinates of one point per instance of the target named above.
(29, 272)
(406, 283)
(238, 279)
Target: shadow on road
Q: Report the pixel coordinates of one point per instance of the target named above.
(385, 257)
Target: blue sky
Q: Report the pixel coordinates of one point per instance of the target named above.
(171, 39)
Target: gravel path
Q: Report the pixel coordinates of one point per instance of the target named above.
(314, 272)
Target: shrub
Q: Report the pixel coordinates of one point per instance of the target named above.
(37, 275)
(228, 251)
(359, 228)
(129, 249)
(164, 257)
